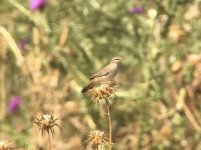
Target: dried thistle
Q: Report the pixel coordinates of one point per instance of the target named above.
(4, 145)
(105, 91)
(46, 123)
(96, 139)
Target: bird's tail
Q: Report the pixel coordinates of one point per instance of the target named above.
(89, 86)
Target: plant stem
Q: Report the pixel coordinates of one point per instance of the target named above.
(2, 83)
(110, 124)
(49, 142)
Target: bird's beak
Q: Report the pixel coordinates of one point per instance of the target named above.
(123, 58)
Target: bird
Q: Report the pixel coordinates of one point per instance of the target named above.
(106, 74)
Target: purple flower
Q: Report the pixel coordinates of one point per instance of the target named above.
(22, 43)
(36, 4)
(14, 104)
(136, 10)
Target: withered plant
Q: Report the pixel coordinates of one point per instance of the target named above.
(105, 92)
(47, 123)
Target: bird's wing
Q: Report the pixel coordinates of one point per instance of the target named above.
(103, 72)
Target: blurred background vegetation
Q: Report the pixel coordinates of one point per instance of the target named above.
(47, 55)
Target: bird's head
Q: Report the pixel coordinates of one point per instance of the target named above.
(116, 59)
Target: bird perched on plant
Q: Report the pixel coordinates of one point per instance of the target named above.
(106, 74)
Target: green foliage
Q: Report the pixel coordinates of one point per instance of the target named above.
(68, 41)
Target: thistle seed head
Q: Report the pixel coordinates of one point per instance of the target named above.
(105, 91)
(96, 139)
(4, 145)
(46, 123)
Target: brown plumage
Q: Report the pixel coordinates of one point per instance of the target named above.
(106, 74)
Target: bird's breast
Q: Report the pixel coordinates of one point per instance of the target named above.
(114, 71)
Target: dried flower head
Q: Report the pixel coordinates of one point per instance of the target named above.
(96, 139)
(46, 123)
(4, 145)
(105, 91)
